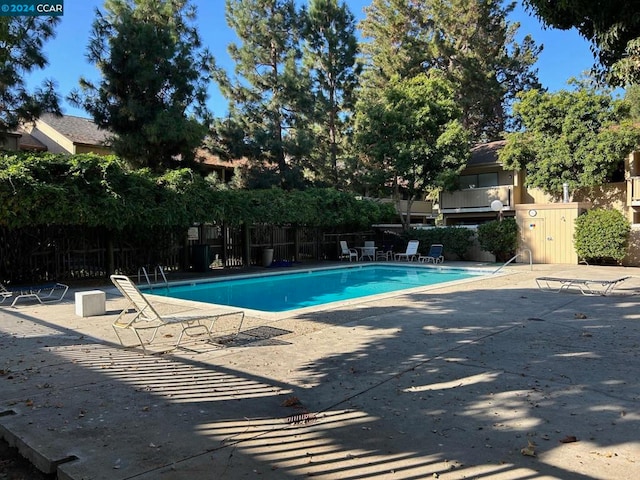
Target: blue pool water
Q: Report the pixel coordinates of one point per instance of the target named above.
(281, 293)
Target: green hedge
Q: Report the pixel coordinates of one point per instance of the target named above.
(601, 236)
(499, 237)
(90, 190)
(456, 240)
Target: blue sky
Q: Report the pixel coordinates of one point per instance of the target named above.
(565, 53)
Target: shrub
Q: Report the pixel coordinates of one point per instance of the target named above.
(601, 236)
(456, 240)
(499, 238)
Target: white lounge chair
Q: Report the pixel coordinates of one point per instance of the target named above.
(411, 253)
(434, 255)
(586, 287)
(145, 316)
(346, 252)
(47, 293)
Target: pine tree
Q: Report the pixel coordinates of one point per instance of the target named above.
(269, 97)
(472, 42)
(331, 55)
(21, 41)
(154, 79)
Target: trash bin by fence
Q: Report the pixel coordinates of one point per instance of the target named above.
(267, 257)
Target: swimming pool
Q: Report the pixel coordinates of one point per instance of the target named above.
(291, 291)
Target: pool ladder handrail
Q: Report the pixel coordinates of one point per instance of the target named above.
(157, 269)
(513, 259)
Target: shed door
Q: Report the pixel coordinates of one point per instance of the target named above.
(533, 236)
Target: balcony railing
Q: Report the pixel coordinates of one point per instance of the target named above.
(418, 207)
(476, 199)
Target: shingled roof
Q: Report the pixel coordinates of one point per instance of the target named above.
(486, 153)
(77, 129)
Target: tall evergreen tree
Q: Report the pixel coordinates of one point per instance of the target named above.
(394, 29)
(154, 80)
(330, 53)
(269, 96)
(21, 41)
(472, 42)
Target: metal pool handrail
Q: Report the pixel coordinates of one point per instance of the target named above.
(513, 259)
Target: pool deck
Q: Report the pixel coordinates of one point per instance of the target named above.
(492, 378)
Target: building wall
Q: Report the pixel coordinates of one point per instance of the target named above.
(547, 230)
(92, 149)
(54, 141)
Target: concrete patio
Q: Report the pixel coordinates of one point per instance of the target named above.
(484, 379)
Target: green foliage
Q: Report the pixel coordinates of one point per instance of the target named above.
(601, 235)
(411, 135)
(21, 42)
(154, 81)
(499, 237)
(456, 240)
(269, 96)
(613, 28)
(47, 189)
(576, 137)
(472, 44)
(330, 54)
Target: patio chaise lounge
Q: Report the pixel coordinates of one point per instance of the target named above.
(47, 293)
(145, 316)
(435, 254)
(586, 287)
(411, 253)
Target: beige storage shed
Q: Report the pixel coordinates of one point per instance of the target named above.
(547, 230)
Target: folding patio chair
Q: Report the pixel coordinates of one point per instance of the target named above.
(47, 293)
(145, 316)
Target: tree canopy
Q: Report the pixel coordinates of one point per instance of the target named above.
(577, 137)
(154, 80)
(412, 136)
(21, 42)
(268, 93)
(331, 56)
(612, 27)
(472, 43)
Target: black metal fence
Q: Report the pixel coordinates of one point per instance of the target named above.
(47, 253)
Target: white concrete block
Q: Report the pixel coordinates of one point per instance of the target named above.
(91, 303)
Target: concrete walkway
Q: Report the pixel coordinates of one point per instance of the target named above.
(485, 379)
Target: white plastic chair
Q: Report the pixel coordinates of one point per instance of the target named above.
(411, 253)
(346, 252)
(369, 250)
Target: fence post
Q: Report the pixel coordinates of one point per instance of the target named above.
(246, 245)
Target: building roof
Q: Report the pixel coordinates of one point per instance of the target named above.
(77, 129)
(29, 142)
(486, 153)
(205, 157)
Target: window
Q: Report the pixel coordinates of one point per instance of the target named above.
(479, 180)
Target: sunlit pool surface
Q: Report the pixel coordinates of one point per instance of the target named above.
(291, 291)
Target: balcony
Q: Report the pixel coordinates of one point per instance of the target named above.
(419, 208)
(472, 200)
